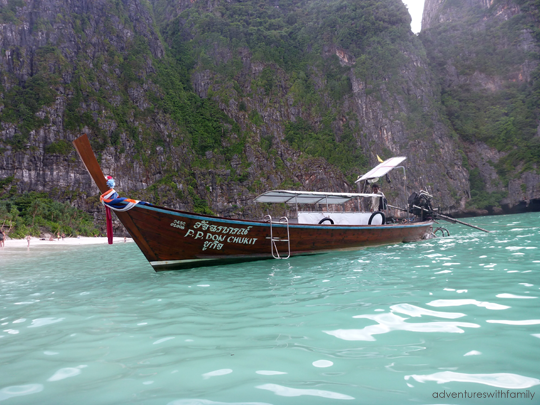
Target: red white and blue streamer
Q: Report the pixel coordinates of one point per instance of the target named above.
(111, 201)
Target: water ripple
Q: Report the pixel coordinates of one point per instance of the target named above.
(322, 363)
(19, 390)
(217, 373)
(457, 303)
(207, 402)
(36, 323)
(66, 372)
(269, 372)
(473, 353)
(390, 322)
(415, 311)
(295, 392)
(514, 296)
(524, 322)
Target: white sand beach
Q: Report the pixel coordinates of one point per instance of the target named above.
(45, 243)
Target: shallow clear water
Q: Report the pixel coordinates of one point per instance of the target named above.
(386, 325)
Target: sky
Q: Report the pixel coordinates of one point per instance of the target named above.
(415, 10)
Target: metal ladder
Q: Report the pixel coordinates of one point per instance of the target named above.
(274, 239)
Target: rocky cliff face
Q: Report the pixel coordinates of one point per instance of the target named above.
(485, 55)
(202, 106)
(390, 108)
(99, 67)
(438, 12)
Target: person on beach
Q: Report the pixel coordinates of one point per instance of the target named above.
(28, 239)
(63, 236)
(58, 236)
(377, 203)
(2, 237)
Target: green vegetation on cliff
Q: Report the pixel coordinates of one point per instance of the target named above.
(296, 44)
(345, 154)
(118, 88)
(491, 95)
(291, 36)
(35, 213)
(115, 90)
(224, 91)
(487, 61)
(480, 198)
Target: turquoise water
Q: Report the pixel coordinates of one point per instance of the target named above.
(387, 325)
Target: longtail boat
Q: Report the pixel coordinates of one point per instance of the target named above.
(171, 239)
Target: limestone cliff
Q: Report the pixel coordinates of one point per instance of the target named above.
(388, 99)
(204, 105)
(485, 56)
(99, 67)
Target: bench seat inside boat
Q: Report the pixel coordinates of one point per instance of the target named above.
(339, 218)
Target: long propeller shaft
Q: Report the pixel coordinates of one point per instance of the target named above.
(443, 217)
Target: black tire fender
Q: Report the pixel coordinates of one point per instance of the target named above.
(326, 219)
(442, 230)
(377, 213)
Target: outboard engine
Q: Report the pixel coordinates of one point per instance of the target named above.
(419, 203)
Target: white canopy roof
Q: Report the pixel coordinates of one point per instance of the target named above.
(382, 168)
(307, 197)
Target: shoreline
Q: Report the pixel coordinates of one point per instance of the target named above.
(36, 242)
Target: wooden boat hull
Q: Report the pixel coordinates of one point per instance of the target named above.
(179, 240)
(172, 239)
